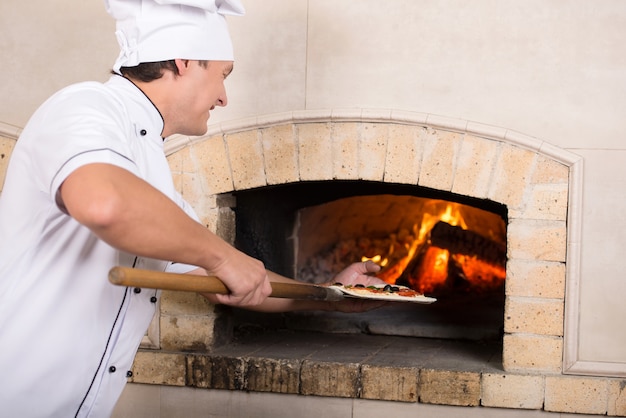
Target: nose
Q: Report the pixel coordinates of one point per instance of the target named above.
(222, 100)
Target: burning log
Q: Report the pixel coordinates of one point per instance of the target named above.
(422, 270)
(461, 241)
(454, 260)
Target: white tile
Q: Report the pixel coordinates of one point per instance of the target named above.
(602, 287)
(139, 401)
(270, 60)
(377, 409)
(196, 403)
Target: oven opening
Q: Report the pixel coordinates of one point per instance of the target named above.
(443, 245)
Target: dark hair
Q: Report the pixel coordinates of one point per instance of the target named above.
(150, 71)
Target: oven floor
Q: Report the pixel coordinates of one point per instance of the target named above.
(454, 318)
(393, 351)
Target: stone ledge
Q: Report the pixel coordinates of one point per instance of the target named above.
(382, 368)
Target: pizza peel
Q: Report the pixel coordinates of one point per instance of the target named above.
(131, 277)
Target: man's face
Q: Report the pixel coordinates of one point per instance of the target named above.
(202, 88)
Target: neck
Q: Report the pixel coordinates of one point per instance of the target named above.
(156, 92)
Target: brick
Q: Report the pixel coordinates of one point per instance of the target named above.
(206, 208)
(225, 226)
(389, 383)
(512, 391)
(159, 368)
(537, 240)
(404, 154)
(345, 145)
(187, 332)
(185, 303)
(544, 279)
(511, 176)
(532, 353)
(330, 379)
(372, 148)
(189, 186)
(576, 394)
(227, 373)
(273, 375)
(193, 191)
(617, 398)
(449, 387)
(549, 171)
(210, 161)
(199, 371)
(475, 164)
(438, 161)
(315, 157)
(245, 153)
(280, 154)
(547, 202)
(534, 316)
(209, 217)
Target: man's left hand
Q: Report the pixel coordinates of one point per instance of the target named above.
(358, 273)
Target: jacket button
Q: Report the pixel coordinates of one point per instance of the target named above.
(137, 290)
(143, 132)
(112, 369)
(153, 299)
(129, 373)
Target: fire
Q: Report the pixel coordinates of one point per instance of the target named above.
(425, 267)
(483, 275)
(401, 251)
(433, 271)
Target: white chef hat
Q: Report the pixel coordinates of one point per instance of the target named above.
(161, 30)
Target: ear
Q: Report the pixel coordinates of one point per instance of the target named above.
(182, 65)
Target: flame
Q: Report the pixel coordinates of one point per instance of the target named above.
(394, 269)
(434, 262)
(433, 271)
(378, 259)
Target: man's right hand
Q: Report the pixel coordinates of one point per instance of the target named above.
(245, 277)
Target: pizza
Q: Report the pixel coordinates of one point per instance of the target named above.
(384, 292)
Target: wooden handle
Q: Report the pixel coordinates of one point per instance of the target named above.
(126, 276)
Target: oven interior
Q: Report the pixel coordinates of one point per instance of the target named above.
(444, 245)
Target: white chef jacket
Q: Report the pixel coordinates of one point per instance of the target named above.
(67, 336)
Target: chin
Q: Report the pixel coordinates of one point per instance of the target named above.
(197, 131)
(204, 130)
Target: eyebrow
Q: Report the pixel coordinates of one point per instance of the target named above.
(228, 70)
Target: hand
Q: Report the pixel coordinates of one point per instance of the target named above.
(245, 277)
(358, 273)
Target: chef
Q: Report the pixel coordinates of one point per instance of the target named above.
(88, 187)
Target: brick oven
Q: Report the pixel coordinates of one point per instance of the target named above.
(522, 356)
